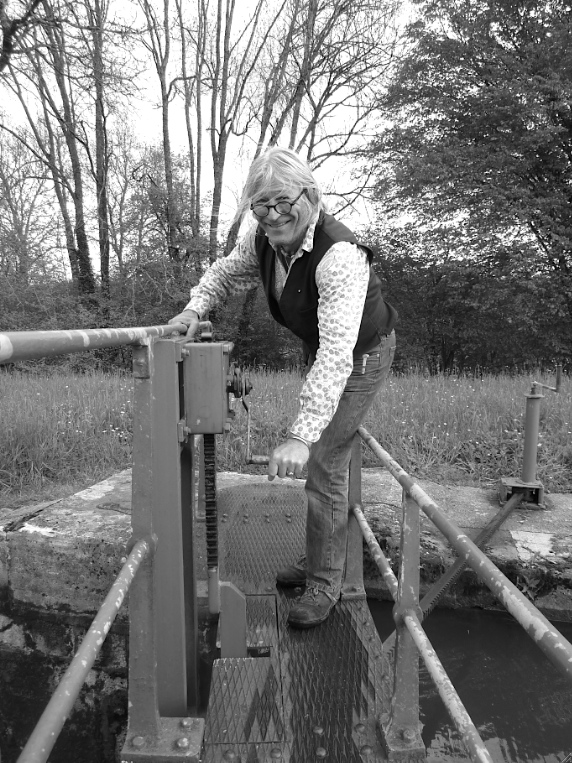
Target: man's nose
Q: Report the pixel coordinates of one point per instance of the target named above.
(273, 214)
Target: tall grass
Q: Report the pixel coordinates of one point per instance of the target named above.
(459, 429)
(61, 432)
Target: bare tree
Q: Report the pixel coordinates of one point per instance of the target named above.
(14, 28)
(27, 221)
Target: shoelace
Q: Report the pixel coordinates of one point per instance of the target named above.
(310, 595)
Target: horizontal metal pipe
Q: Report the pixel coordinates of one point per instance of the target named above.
(30, 345)
(459, 715)
(259, 460)
(49, 726)
(541, 631)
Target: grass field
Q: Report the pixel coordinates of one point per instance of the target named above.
(60, 433)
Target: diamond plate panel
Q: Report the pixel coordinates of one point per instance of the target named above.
(245, 703)
(251, 753)
(261, 626)
(261, 529)
(332, 683)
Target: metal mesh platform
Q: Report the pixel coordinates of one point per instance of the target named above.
(316, 694)
(262, 528)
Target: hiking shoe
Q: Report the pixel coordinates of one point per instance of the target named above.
(311, 609)
(291, 576)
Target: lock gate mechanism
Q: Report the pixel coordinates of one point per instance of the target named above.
(531, 488)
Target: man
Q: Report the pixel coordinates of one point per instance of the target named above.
(320, 284)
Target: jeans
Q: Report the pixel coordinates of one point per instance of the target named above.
(328, 471)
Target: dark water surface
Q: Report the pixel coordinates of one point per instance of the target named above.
(520, 704)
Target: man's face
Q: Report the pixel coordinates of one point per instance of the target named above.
(285, 229)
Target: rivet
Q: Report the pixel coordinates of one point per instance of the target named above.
(185, 723)
(138, 742)
(318, 730)
(229, 755)
(275, 753)
(182, 743)
(366, 750)
(360, 728)
(321, 753)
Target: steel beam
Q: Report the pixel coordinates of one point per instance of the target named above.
(173, 521)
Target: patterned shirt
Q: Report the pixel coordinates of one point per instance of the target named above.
(342, 278)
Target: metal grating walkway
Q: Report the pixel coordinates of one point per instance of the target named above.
(310, 695)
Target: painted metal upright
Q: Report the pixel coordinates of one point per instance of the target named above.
(163, 686)
(401, 728)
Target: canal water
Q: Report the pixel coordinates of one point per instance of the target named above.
(520, 704)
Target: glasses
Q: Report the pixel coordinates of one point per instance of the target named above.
(281, 207)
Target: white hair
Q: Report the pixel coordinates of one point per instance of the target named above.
(281, 172)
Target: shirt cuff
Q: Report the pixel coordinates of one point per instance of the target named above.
(292, 436)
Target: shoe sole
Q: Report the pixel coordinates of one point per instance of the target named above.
(290, 583)
(304, 625)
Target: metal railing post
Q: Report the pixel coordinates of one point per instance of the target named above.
(143, 701)
(353, 587)
(401, 728)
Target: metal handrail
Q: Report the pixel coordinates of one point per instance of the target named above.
(48, 728)
(32, 345)
(457, 711)
(539, 628)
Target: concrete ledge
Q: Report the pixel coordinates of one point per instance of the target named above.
(63, 556)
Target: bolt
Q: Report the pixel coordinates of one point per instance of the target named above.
(360, 728)
(408, 735)
(366, 750)
(229, 755)
(182, 743)
(275, 753)
(318, 730)
(185, 723)
(138, 742)
(321, 753)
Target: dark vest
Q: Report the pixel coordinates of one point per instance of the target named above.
(297, 308)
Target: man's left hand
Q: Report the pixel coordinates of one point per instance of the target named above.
(288, 459)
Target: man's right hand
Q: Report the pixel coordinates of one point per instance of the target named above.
(191, 320)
